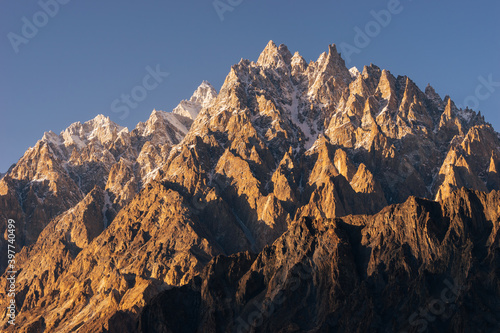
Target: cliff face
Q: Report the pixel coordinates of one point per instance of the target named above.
(416, 266)
(60, 170)
(287, 151)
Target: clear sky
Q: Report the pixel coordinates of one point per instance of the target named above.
(74, 63)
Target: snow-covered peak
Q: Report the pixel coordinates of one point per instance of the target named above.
(78, 135)
(203, 96)
(354, 72)
(164, 127)
(51, 137)
(100, 119)
(466, 114)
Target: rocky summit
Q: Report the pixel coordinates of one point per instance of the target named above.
(300, 197)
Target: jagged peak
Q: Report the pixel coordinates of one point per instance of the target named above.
(202, 97)
(332, 64)
(285, 53)
(159, 121)
(270, 51)
(274, 56)
(101, 121)
(332, 51)
(78, 134)
(101, 118)
(50, 137)
(450, 110)
(334, 56)
(245, 62)
(354, 72)
(371, 70)
(410, 88)
(98, 121)
(270, 45)
(157, 114)
(205, 83)
(322, 58)
(386, 78)
(327, 57)
(450, 105)
(204, 94)
(387, 75)
(431, 94)
(298, 61)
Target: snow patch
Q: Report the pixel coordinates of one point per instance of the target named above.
(466, 114)
(172, 119)
(293, 110)
(203, 97)
(354, 72)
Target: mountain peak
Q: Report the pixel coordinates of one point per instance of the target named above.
(298, 62)
(204, 94)
(202, 97)
(288, 148)
(205, 83)
(433, 96)
(334, 55)
(333, 64)
(101, 118)
(354, 72)
(274, 56)
(332, 50)
(431, 93)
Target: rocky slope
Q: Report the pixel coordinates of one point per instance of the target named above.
(131, 214)
(60, 170)
(413, 267)
(202, 98)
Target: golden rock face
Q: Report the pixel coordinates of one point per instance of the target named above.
(411, 257)
(109, 218)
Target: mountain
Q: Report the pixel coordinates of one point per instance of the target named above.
(57, 173)
(437, 273)
(192, 205)
(201, 98)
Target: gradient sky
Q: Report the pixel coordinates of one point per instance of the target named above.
(91, 52)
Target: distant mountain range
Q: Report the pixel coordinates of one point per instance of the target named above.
(301, 197)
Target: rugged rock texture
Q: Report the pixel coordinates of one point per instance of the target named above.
(202, 98)
(416, 266)
(116, 217)
(60, 170)
(59, 243)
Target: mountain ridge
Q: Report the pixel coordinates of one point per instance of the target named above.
(283, 141)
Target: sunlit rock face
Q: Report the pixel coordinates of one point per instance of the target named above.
(373, 189)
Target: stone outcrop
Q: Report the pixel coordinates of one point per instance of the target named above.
(289, 169)
(413, 267)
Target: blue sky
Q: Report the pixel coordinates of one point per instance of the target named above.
(86, 54)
